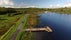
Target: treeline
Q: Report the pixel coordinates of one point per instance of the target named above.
(16, 11)
(61, 10)
(7, 10)
(30, 10)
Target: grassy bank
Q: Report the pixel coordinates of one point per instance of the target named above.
(6, 23)
(21, 33)
(8, 34)
(31, 23)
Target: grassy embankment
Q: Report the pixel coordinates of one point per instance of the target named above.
(8, 34)
(7, 18)
(19, 36)
(30, 22)
(6, 23)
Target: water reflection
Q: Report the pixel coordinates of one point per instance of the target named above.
(60, 23)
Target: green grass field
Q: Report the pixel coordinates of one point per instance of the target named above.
(6, 23)
(8, 34)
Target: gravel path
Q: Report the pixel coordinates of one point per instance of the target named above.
(14, 35)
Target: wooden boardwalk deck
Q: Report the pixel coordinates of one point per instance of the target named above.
(48, 29)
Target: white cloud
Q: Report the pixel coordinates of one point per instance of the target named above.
(68, 4)
(23, 5)
(10, 3)
(6, 3)
(54, 6)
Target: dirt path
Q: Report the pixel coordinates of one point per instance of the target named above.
(16, 32)
(14, 35)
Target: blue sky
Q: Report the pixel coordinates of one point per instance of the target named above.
(36, 3)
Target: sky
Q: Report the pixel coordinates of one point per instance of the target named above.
(35, 3)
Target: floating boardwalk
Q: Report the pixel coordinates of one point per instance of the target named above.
(48, 29)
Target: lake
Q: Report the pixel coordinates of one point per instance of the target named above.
(60, 24)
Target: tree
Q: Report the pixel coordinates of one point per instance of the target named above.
(10, 11)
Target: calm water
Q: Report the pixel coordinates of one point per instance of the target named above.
(60, 24)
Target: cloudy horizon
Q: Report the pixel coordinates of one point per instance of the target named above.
(35, 3)
(11, 3)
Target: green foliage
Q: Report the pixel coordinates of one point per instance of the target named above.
(6, 23)
(8, 34)
(9, 17)
(12, 11)
(21, 33)
(61, 10)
